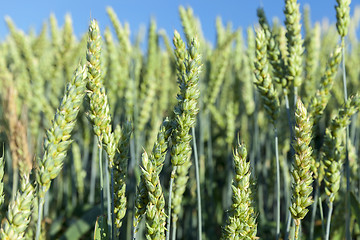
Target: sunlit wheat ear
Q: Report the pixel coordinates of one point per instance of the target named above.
(241, 221)
(19, 212)
(334, 152)
(149, 84)
(58, 136)
(57, 139)
(342, 16)
(151, 168)
(334, 146)
(294, 42)
(313, 46)
(320, 100)
(264, 82)
(120, 171)
(274, 55)
(188, 68)
(99, 113)
(187, 108)
(301, 173)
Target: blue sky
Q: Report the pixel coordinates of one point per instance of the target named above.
(242, 13)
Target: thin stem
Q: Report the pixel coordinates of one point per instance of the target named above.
(169, 206)
(198, 192)
(101, 178)
(288, 225)
(112, 204)
(343, 67)
(15, 182)
(108, 198)
(287, 106)
(93, 171)
(322, 217)
(173, 236)
(133, 232)
(313, 212)
(210, 155)
(277, 185)
(297, 227)
(40, 211)
(347, 167)
(327, 234)
(292, 153)
(292, 231)
(132, 159)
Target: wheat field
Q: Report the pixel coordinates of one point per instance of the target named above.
(253, 137)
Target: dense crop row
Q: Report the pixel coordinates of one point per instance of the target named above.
(255, 138)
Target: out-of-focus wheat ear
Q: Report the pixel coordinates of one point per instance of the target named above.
(312, 55)
(19, 212)
(40, 43)
(113, 71)
(37, 96)
(320, 100)
(334, 147)
(190, 24)
(121, 33)
(219, 62)
(99, 113)
(149, 84)
(264, 82)
(342, 16)
(273, 52)
(80, 173)
(301, 173)
(141, 202)
(334, 152)
(241, 221)
(294, 43)
(120, 171)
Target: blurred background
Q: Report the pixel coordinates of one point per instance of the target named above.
(242, 13)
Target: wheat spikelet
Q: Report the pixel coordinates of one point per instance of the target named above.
(19, 212)
(241, 222)
(301, 173)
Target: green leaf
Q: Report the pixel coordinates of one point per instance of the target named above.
(82, 225)
(355, 206)
(101, 228)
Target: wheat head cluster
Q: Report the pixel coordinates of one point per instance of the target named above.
(256, 136)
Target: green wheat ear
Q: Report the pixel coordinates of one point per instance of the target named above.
(188, 68)
(264, 82)
(151, 168)
(241, 222)
(120, 171)
(333, 146)
(99, 113)
(320, 100)
(19, 212)
(342, 16)
(295, 41)
(58, 136)
(302, 175)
